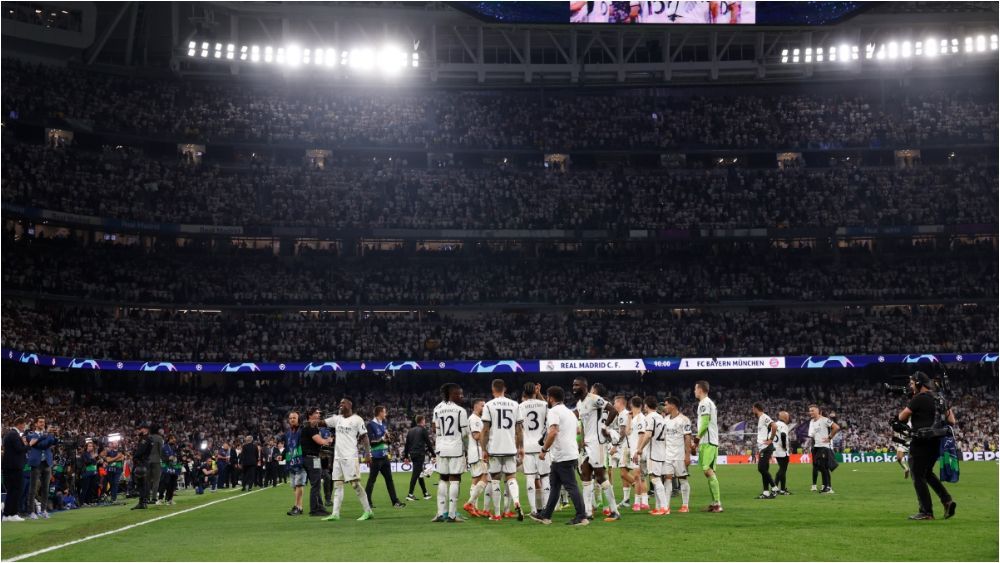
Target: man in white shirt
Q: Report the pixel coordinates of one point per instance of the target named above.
(782, 445)
(560, 446)
(501, 440)
(767, 430)
(821, 432)
(350, 431)
(531, 414)
(451, 428)
(477, 467)
(592, 408)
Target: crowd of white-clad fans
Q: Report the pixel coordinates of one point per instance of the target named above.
(296, 112)
(726, 272)
(162, 334)
(124, 184)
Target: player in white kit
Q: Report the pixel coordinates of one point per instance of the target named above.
(592, 408)
(451, 427)
(678, 446)
(350, 430)
(501, 442)
(477, 467)
(531, 415)
(618, 455)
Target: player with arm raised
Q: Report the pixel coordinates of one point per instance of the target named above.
(451, 427)
(531, 415)
(349, 430)
(707, 442)
(501, 441)
(477, 467)
(591, 407)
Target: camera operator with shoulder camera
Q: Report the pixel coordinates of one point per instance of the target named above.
(930, 418)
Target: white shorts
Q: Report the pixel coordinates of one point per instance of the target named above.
(535, 466)
(346, 470)
(503, 464)
(450, 465)
(623, 460)
(477, 469)
(675, 467)
(595, 453)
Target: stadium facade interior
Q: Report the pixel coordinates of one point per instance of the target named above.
(280, 200)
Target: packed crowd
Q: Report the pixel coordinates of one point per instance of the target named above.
(123, 184)
(160, 334)
(174, 275)
(314, 114)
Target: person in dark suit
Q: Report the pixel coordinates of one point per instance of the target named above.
(248, 461)
(15, 450)
(418, 445)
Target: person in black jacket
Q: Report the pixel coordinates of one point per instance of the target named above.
(248, 461)
(418, 445)
(140, 465)
(15, 449)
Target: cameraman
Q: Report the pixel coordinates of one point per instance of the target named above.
(925, 446)
(41, 441)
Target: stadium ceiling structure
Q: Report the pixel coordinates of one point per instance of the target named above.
(436, 43)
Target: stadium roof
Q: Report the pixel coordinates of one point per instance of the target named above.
(452, 45)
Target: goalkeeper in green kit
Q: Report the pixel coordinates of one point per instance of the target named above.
(707, 441)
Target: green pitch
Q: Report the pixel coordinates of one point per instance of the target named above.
(864, 520)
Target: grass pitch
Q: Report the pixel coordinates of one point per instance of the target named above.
(864, 520)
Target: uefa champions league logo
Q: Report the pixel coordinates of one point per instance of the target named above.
(323, 366)
(828, 362)
(235, 368)
(402, 366)
(157, 366)
(29, 359)
(922, 358)
(504, 366)
(83, 364)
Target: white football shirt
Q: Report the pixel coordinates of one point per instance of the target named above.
(501, 414)
(819, 431)
(531, 414)
(591, 410)
(675, 429)
(638, 426)
(763, 430)
(475, 425)
(707, 407)
(782, 441)
(348, 430)
(655, 423)
(451, 425)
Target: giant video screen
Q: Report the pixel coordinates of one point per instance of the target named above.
(657, 12)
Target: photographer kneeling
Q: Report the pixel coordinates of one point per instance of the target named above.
(929, 427)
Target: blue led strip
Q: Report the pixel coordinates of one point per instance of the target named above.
(505, 366)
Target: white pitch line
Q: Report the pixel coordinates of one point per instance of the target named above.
(124, 528)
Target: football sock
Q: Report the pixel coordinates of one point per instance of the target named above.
(497, 497)
(529, 484)
(338, 496)
(661, 494)
(685, 491)
(514, 490)
(713, 486)
(454, 488)
(609, 495)
(362, 496)
(442, 498)
(588, 497)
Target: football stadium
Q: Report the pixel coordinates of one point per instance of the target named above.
(500, 281)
